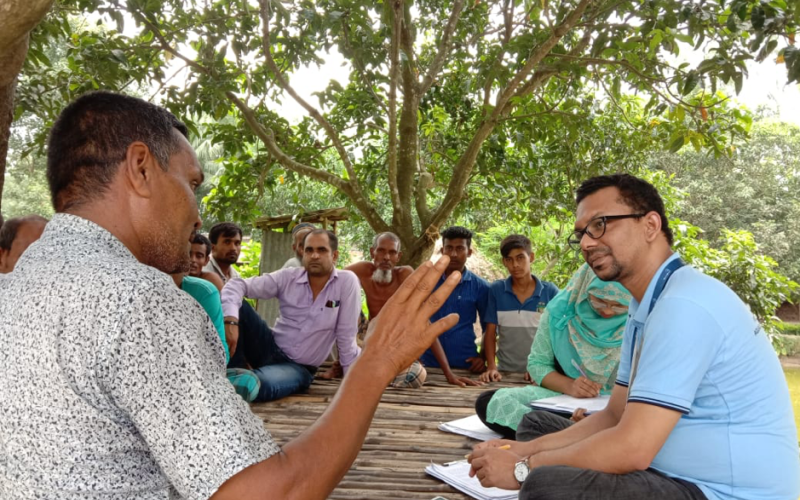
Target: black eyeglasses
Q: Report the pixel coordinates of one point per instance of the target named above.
(596, 228)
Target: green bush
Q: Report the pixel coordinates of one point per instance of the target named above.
(789, 328)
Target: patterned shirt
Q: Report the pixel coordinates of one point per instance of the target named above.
(112, 380)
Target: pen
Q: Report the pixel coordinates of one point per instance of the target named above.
(504, 447)
(578, 367)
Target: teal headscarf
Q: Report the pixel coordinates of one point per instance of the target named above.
(573, 320)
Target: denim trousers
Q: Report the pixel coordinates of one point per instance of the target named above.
(570, 483)
(279, 375)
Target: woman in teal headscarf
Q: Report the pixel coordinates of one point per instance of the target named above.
(584, 323)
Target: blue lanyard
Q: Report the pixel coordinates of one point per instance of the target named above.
(666, 274)
(663, 278)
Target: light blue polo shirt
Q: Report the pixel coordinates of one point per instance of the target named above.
(704, 355)
(516, 322)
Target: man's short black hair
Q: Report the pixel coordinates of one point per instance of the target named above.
(1, 221)
(332, 239)
(637, 193)
(199, 239)
(514, 241)
(226, 229)
(457, 232)
(91, 137)
(8, 233)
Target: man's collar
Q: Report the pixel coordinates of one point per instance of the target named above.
(466, 275)
(75, 225)
(640, 310)
(303, 276)
(508, 285)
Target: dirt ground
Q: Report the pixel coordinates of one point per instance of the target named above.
(790, 361)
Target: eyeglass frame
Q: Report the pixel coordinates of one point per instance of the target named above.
(574, 241)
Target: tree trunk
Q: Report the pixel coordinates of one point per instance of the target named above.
(17, 19)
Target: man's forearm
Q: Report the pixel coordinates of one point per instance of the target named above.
(324, 451)
(608, 450)
(593, 424)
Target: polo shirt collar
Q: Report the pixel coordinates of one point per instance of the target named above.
(508, 285)
(639, 311)
(466, 275)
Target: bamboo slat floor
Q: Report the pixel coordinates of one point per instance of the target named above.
(402, 439)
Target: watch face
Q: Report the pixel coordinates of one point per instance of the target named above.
(521, 471)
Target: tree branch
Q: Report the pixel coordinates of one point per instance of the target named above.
(312, 111)
(361, 68)
(371, 215)
(444, 48)
(394, 75)
(466, 163)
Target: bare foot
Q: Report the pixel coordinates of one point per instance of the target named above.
(335, 371)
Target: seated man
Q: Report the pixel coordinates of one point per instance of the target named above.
(515, 307)
(456, 347)
(16, 236)
(700, 410)
(244, 381)
(380, 279)
(226, 245)
(201, 256)
(299, 233)
(319, 307)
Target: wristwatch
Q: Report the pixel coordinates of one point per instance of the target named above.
(521, 470)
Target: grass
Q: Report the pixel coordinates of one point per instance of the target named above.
(793, 377)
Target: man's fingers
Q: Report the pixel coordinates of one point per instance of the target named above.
(440, 326)
(410, 284)
(433, 302)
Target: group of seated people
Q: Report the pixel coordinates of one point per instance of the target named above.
(112, 380)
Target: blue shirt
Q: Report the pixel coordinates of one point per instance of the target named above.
(469, 299)
(516, 322)
(704, 355)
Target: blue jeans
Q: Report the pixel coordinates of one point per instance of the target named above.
(279, 375)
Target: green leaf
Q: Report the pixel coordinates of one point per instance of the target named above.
(676, 145)
(692, 79)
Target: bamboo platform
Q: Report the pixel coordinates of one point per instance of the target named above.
(402, 439)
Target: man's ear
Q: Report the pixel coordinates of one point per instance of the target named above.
(532, 256)
(469, 252)
(138, 169)
(336, 255)
(652, 223)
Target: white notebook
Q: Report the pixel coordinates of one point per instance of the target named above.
(568, 404)
(457, 476)
(471, 427)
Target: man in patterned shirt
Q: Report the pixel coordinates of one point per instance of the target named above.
(136, 404)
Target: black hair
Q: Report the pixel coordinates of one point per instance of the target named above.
(1, 221)
(386, 234)
(512, 242)
(333, 240)
(226, 229)
(637, 193)
(91, 137)
(199, 239)
(457, 232)
(8, 233)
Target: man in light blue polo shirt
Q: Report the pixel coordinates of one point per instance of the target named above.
(701, 409)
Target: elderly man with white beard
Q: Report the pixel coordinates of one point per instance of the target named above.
(380, 279)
